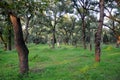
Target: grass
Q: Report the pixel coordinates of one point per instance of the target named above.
(65, 63)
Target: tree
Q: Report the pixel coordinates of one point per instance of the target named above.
(99, 31)
(20, 44)
(18, 36)
(5, 30)
(67, 28)
(51, 17)
(82, 6)
(114, 19)
(54, 14)
(105, 38)
(4, 42)
(9, 33)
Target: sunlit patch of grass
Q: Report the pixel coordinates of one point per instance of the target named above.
(109, 48)
(95, 65)
(84, 69)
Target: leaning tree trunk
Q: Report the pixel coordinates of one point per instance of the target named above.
(20, 44)
(98, 33)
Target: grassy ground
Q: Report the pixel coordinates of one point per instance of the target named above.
(65, 63)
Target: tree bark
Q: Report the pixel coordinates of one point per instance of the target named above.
(9, 40)
(20, 44)
(83, 31)
(98, 33)
(90, 42)
(54, 39)
(118, 42)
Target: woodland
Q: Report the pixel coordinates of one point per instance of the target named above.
(59, 39)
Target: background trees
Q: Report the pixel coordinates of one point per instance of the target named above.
(64, 21)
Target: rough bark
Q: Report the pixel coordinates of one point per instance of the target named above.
(20, 44)
(98, 33)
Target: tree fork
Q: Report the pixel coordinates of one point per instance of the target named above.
(20, 44)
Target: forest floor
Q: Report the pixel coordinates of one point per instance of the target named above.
(65, 63)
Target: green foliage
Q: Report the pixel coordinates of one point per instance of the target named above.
(65, 63)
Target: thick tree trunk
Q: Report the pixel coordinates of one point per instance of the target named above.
(20, 44)
(98, 33)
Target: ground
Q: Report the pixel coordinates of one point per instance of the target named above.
(65, 63)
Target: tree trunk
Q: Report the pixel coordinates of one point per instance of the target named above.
(20, 44)
(82, 14)
(53, 38)
(89, 38)
(9, 39)
(83, 31)
(26, 28)
(90, 42)
(118, 42)
(98, 33)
